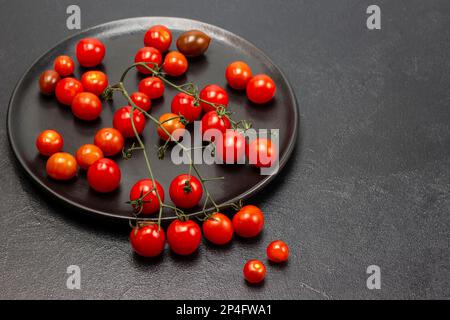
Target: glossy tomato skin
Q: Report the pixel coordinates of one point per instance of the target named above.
(184, 104)
(67, 89)
(254, 271)
(141, 100)
(49, 142)
(171, 122)
(95, 82)
(261, 153)
(90, 52)
(212, 120)
(213, 94)
(185, 191)
(61, 166)
(87, 154)
(151, 203)
(184, 237)
(238, 74)
(248, 222)
(86, 106)
(122, 121)
(147, 241)
(261, 89)
(231, 148)
(175, 64)
(150, 56)
(158, 37)
(109, 140)
(278, 251)
(153, 87)
(218, 229)
(47, 81)
(104, 175)
(64, 65)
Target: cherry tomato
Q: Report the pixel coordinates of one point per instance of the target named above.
(248, 222)
(150, 56)
(213, 94)
(141, 100)
(193, 43)
(87, 154)
(104, 175)
(170, 122)
(148, 241)
(238, 74)
(90, 52)
(212, 120)
(262, 153)
(231, 148)
(95, 82)
(48, 81)
(184, 104)
(184, 237)
(67, 89)
(175, 64)
(150, 202)
(86, 106)
(49, 142)
(254, 271)
(109, 140)
(261, 89)
(185, 191)
(122, 121)
(64, 65)
(278, 251)
(158, 37)
(218, 229)
(61, 166)
(152, 86)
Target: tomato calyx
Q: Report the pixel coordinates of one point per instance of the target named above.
(138, 204)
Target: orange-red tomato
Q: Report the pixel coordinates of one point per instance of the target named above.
(261, 152)
(218, 229)
(175, 64)
(152, 86)
(64, 65)
(90, 52)
(67, 89)
(49, 142)
(141, 100)
(95, 82)
(86, 106)
(278, 251)
(151, 56)
(109, 140)
(248, 222)
(158, 37)
(61, 166)
(170, 122)
(238, 74)
(148, 241)
(254, 271)
(261, 89)
(104, 175)
(87, 154)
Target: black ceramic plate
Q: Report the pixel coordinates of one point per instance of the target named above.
(30, 112)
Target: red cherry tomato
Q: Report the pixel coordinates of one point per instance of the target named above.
(231, 148)
(87, 154)
(278, 251)
(109, 140)
(48, 81)
(261, 89)
(212, 120)
(49, 142)
(184, 104)
(218, 229)
(254, 271)
(141, 100)
(61, 166)
(86, 106)
(184, 237)
(185, 191)
(238, 74)
(175, 64)
(122, 121)
(104, 175)
(90, 52)
(150, 203)
(261, 153)
(64, 65)
(67, 89)
(152, 86)
(213, 94)
(248, 222)
(150, 56)
(170, 122)
(148, 241)
(158, 37)
(95, 82)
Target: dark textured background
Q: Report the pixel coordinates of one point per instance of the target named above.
(368, 183)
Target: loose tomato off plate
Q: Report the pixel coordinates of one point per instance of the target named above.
(31, 112)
